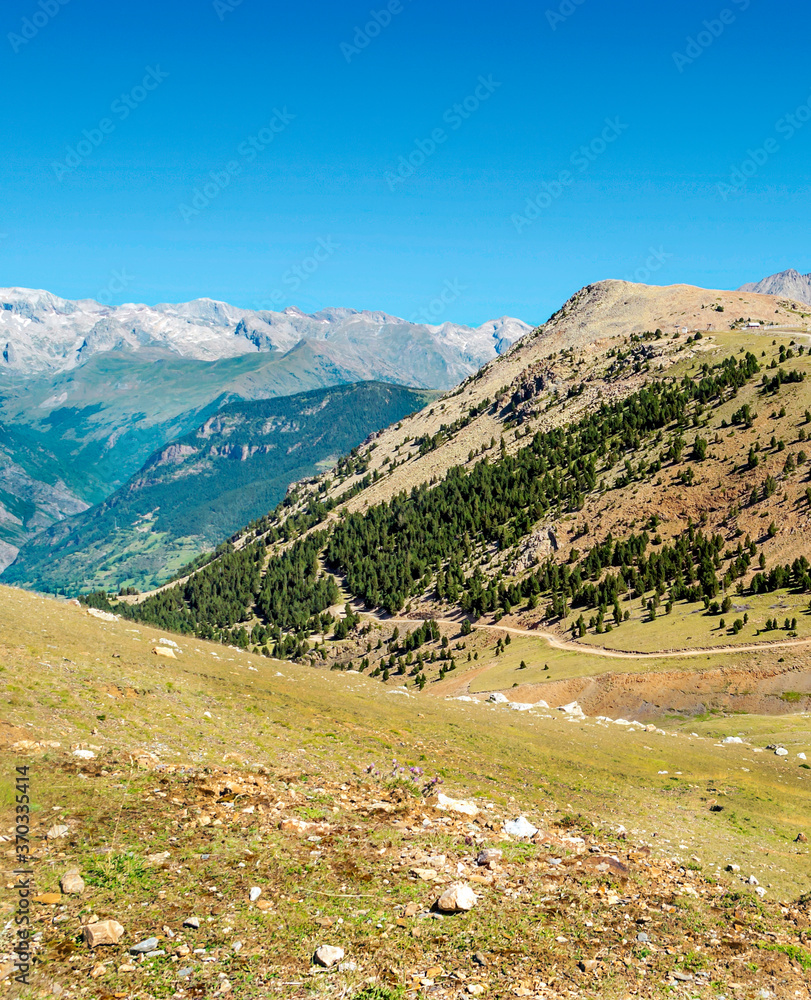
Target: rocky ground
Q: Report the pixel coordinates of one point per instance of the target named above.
(159, 879)
(227, 816)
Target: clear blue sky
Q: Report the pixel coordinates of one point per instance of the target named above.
(112, 212)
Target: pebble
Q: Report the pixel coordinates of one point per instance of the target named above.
(456, 899)
(72, 883)
(463, 806)
(328, 955)
(103, 932)
(149, 944)
(520, 827)
(489, 857)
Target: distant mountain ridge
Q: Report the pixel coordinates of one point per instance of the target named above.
(42, 333)
(789, 283)
(83, 402)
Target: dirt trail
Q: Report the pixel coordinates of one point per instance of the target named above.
(577, 647)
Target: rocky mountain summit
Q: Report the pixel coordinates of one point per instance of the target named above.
(789, 283)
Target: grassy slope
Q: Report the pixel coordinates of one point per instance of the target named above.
(61, 683)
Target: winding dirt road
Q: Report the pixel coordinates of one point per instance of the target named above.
(576, 647)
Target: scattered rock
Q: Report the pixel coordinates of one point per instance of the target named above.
(475, 989)
(149, 944)
(104, 932)
(732, 739)
(169, 654)
(84, 754)
(465, 807)
(489, 857)
(520, 827)
(105, 616)
(255, 893)
(328, 955)
(192, 922)
(57, 831)
(587, 965)
(497, 698)
(72, 883)
(456, 899)
(781, 752)
(479, 958)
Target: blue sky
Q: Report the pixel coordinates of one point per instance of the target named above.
(274, 155)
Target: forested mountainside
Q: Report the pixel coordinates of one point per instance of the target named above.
(601, 475)
(195, 491)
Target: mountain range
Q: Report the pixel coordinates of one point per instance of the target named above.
(89, 392)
